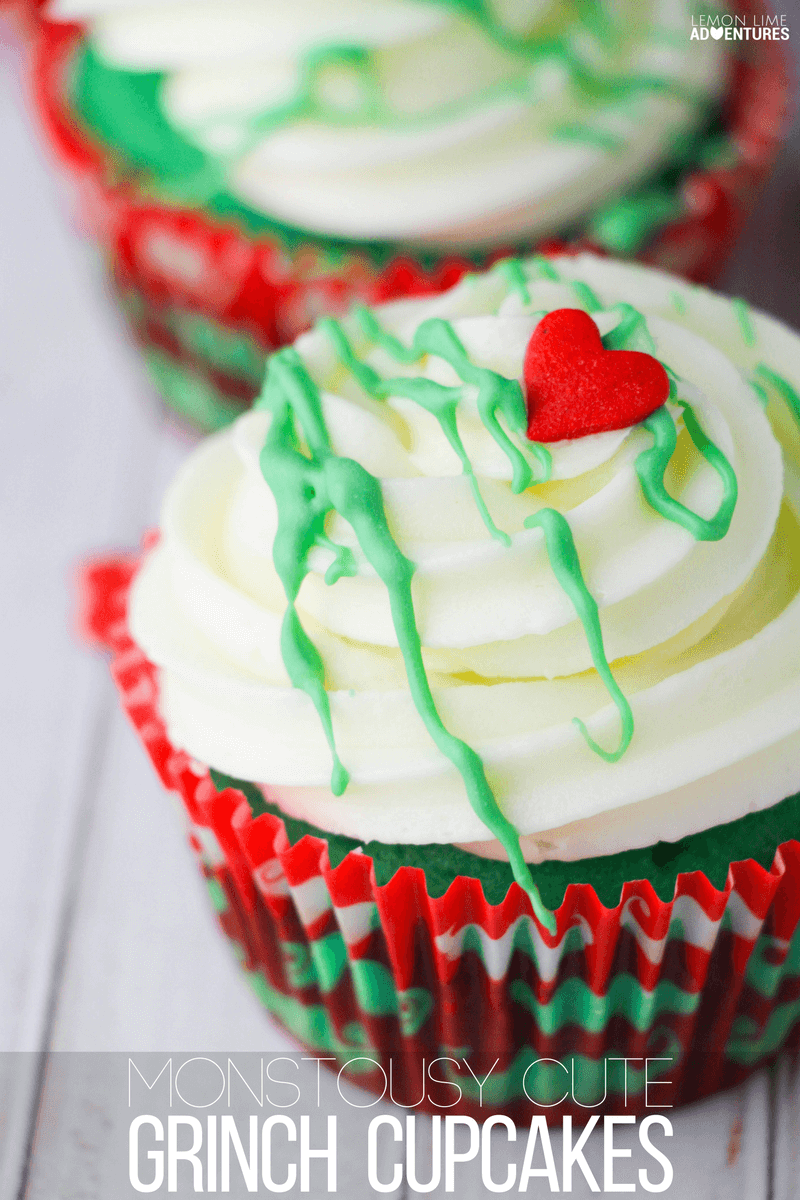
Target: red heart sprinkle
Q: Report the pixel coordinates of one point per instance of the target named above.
(574, 386)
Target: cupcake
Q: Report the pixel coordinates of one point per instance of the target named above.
(253, 165)
(473, 652)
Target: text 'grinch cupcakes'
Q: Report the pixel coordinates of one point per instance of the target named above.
(490, 610)
(255, 164)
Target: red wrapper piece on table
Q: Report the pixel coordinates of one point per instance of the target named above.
(706, 986)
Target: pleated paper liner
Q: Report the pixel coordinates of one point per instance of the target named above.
(217, 289)
(430, 995)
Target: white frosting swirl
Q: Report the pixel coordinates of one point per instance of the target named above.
(704, 637)
(441, 128)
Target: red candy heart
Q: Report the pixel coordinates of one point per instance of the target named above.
(574, 386)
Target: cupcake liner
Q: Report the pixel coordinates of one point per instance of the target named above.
(264, 292)
(205, 371)
(392, 980)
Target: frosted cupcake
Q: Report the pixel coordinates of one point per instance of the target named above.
(258, 164)
(484, 626)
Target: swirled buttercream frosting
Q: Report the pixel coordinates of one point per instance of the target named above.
(377, 596)
(422, 121)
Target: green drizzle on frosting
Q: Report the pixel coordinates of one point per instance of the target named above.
(311, 102)
(125, 109)
(496, 395)
(438, 337)
(543, 267)
(299, 486)
(309, 481)
(678, 303)
(344, 562)
(308, 486)
(515, 275)
(582, 131)
(782, 387)
(652, 464)
(311, 99)
(585, 295)
(746, 326)
(761, 392)
(366, 104)
(566, 567)
(630, 333)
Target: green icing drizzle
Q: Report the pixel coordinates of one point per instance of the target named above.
(310, 481)
(344, 562)
(169, 154)
(372, 328)
(300, 486)
(652, 463)
(630, 332)
(582, 131)
(543, 267)
(124, 108)
(437, 336)
(782, 386)
(678, 303)
(308, 486)
(310, 101)
(515, 275)
(567, 569)
(625, 224)
(496, 395)
(585, 295)
(761, 392)
(748, 329)
(441, 402)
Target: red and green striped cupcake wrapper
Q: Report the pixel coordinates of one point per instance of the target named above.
(255, 292)
(705, 986)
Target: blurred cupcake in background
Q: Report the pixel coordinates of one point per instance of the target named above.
(250, 165)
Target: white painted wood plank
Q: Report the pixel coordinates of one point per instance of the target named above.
(148, 969)
(77, 449)
(79, 430)
(786, 1160)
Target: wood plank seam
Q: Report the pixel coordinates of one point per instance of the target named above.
(88, 781)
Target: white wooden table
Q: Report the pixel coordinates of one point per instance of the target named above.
(106, 939)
